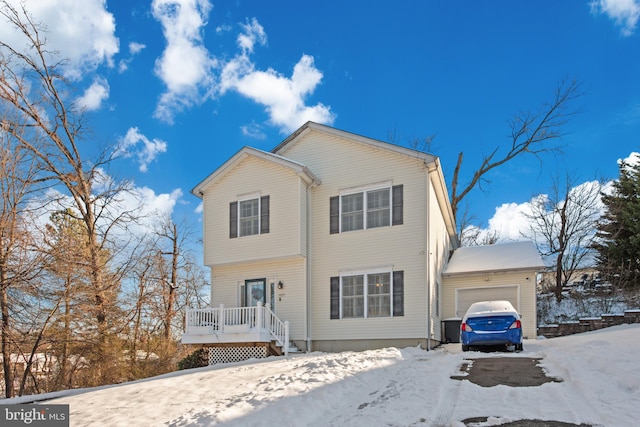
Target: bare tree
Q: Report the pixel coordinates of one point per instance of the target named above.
(18, 171)
(38, 96)
(174, 236)
(563, 225)
(531, 133)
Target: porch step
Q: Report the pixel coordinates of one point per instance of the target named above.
(276, 350)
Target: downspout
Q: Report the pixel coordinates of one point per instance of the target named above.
(308, 267)
(427, 257)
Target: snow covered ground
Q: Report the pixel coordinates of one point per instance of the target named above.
(390, 387)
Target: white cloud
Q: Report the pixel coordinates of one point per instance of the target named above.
(282, 97)
(149, 208)
(150, 149)
(190, 72)
(253, 32)
(155, 205)
(134, 49)
(94, 95)
(253, 130)
(222, 29)
(185, 66)
(83, 32)
(625, 13)
(509, 221)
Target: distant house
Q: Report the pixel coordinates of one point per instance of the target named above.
(332, 241)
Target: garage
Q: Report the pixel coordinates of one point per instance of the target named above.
(503, 271)
(466, 297)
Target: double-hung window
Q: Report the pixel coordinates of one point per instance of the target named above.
(360, 209)
(249, 216)
(367, 295)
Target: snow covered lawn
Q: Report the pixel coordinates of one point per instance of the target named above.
(397, 387)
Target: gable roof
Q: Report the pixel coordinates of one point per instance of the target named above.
(499, 257)
(300, 169)
(312, 126)
(431, 162)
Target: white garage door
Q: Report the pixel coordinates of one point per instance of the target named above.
(466, 297)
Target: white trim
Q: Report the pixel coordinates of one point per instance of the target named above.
(369, 270)
(248, 196)
(368, 187)
(239, 292)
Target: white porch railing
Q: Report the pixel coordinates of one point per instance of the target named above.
(238, 320)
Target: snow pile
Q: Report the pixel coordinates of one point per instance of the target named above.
(601, 386)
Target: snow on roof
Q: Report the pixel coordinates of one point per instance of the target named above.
(502, 256)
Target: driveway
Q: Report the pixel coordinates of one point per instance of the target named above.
(509, 371)
(512, 372)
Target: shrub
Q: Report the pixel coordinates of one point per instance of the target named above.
(197, 359)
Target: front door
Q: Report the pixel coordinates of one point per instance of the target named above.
(255, 292)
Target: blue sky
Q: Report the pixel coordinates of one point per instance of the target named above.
(181, 85)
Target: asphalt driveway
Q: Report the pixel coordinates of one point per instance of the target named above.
(512, 372)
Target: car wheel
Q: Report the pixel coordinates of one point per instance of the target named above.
(519, 347)
(465, 347)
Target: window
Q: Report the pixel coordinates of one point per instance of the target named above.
(352, 209)
(352, 296)
(378, 207)
(379, 294)
(249, 217)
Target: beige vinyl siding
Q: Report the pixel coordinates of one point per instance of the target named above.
(401, 247)
(289, 301)
(254, 176)
(439, 248)
(526, 286)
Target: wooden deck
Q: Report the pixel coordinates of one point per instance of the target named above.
(222, 326)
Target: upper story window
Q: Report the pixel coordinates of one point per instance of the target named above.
(368, 208)
(249, 217)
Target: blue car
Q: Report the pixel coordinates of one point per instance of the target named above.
(491, 323)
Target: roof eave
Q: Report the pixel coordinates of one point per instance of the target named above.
(302, 171)
(499, 270)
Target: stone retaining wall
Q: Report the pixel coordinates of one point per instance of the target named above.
(589, 324)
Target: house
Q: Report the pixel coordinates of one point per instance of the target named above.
(332, 241)
(504, 271)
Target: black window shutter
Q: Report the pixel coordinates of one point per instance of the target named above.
(264, 214)
(335, 297)
(397, 205)
(233, 220)
(398, 293)
(334, 215)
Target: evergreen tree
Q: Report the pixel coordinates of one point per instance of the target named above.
(618, 235)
